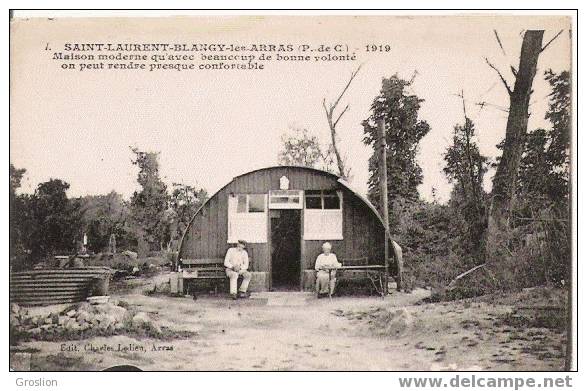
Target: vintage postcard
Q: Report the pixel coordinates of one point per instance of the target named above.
(292, 193)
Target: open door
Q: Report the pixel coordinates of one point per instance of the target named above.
(285, 249)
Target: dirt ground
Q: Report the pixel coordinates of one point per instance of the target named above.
(295, 331)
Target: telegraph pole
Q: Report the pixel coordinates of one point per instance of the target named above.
(383, 184)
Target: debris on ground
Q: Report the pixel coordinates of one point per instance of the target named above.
(522, 326)
(84, 320)
(382, 321)
(499, 332)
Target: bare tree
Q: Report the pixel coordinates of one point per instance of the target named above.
(505, 176)
(301, 148)
(516, 128)
(333, 120)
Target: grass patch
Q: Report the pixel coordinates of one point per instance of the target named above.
(145, 331)
(553, 320)
(57, 362)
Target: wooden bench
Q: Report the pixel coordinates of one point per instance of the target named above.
(362, 261)
(359, 268)
(352, 274)
(204, 269)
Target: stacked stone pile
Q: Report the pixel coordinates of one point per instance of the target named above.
(82, 318)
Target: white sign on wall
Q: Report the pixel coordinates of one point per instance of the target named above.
(323, 224)
(283, 183)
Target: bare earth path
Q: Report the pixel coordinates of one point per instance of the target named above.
(295, 331)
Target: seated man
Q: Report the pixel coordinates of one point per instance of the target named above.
(325, 261)
(237, 263)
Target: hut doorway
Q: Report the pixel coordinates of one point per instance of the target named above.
(285, 249)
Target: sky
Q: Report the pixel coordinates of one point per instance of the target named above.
(210, 126)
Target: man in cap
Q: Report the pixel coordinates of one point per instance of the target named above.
(236, 262)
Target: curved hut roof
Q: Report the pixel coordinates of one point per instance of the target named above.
(337, 178)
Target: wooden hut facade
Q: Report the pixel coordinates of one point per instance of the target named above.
(285, 214)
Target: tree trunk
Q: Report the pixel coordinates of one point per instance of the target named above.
(332, 122)
(517, 124)
(339, 161)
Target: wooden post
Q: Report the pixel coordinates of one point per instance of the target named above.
(383, 184)
(302, 251)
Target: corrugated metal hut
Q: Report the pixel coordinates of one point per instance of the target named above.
(285, 214)
(54, 286)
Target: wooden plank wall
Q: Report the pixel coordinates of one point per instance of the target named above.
(362, 232)
(53, 286)
(207, 236)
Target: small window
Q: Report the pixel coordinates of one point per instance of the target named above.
(327, 199)
(313, 201)
(280, 200)
(256, 203)
(285, 199)
(242, 204)
(331, 201)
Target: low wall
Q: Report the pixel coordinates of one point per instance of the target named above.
(259, 282)
(309, 280)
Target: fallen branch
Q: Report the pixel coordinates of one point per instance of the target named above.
(457, 278)
(547, 220)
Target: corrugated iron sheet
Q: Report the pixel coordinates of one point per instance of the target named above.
(53, 286)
